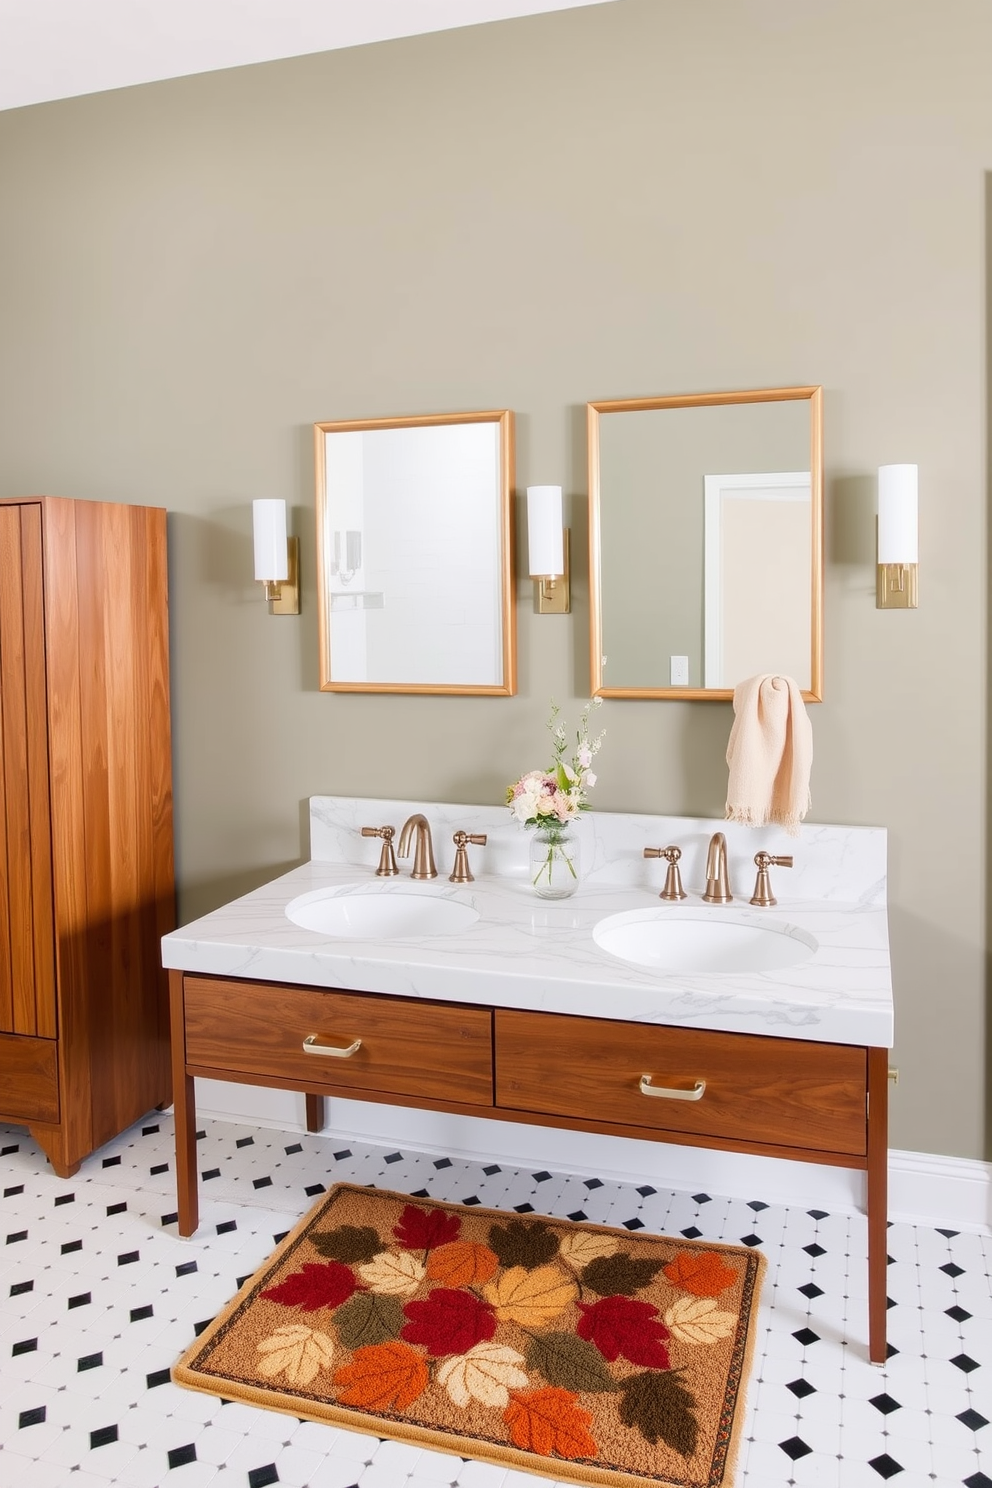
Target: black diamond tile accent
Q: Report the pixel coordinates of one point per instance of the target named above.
(82, 1299)
(70, 1246)
(10, 1193)
(32, 1417)
(646, 1191)
(278, 1239)
(978, 1480)
(885, 1404)
(181, 1456)
(957, 1313)
(261, 1477)
(88, 1361)
(541, 1177)
(801, 1388)
(948, 1234)
(811, 1290)
(594, 1183)
(266, 1182)
(112, 1162)
(168, 1219)
(102, 1437)
(492, 1168)
(293, 1149)
(701, 1198)
(160, 1377)
(633, 1224)
(474, 1199)
(757, 1205)
(806, 1336)
(199, 1328)
(128, 1258)
(138, 1314)
(692, 1233)
(186, 1268)
(61, 1199)
(116, 1209)
(250, 1142)
(313, 1189)
(442, 1162)
(890, 1260)
(795, 1448)
(6, 1151)
(20, 1287)
(814, 1250)
(226, 1226)
(210, 1173)
(390, 1157)
(148, 1131)
(886, 1466)
(890, 1350)
(577, 1216)
(158, 1168)
(751, 1239)
(200, 1136)
(420, 1193)
(241, 1280)
(952, 1270)
(891, 1302)
(17, 1236)
(340, 1156)
(972, 1419)
(962, 1362)
(521, 1208)
(817, 1213)
(26, 1346)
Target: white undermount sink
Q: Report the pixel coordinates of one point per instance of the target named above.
(702, 940)
(379, 913)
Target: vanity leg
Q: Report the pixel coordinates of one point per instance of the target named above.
(878, 1160)
(184, 1105)
(315, 1112)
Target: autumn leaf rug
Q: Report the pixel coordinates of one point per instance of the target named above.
(588, 1354)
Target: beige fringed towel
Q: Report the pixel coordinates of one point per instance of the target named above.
(770, 754)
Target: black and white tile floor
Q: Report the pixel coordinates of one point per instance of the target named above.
(99, 1296)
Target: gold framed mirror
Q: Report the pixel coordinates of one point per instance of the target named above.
(706, 542)
(414, 554)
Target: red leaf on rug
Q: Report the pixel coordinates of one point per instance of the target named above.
(423, 1229)
(317, 1285)
(701, 1272)
(619, 1325)
(462, 1264)
(550, 1423)
(449, 1322)
(384, 1376)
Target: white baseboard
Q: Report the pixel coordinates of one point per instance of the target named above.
(924, 1188)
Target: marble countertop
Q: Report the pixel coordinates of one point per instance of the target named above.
(528, 952)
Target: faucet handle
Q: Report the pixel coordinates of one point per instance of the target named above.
(387, 858)
(462, 873)
(763, 895)
(673, 889)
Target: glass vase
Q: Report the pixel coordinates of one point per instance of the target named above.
(554, 861)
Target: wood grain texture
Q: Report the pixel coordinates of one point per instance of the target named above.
(776, 1091)
(878, 1182)
(408, 1047)
(30, 1079)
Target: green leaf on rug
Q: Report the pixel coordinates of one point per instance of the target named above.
(569, 1362)
(618, 1275)
(520, 1244)
(369, 1318)
(659, 1405)
(347, 1243)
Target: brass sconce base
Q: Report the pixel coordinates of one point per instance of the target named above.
(284, 595)
(896, 586)
(554, 596)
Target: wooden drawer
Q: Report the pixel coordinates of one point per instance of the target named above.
(29, 1079)
(409, 1047)
(781, 1092)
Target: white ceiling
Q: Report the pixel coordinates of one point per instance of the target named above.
(61, 48)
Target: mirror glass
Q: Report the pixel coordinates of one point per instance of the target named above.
(705, 542)
(413, 554)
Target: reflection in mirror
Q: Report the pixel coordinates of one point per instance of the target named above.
(705, 542)
(413, 554)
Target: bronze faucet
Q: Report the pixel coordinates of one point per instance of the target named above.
(387, 858)
(461, 872)
(717, 882)
(763, 895)
(423, 858)
(673, 889)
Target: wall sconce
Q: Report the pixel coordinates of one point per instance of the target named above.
(277, 557)
(898, 543)
(547, 551)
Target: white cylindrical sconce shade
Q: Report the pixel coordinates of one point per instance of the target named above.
(271, 548)
(545, 540)
(898, 540)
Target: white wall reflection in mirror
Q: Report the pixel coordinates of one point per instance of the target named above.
(705, 542)
(413, 554)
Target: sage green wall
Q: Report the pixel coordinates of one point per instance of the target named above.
(637, 198)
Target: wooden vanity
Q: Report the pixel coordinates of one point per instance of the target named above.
(778, 1097)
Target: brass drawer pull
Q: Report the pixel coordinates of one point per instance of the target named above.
(311, 1046)
(696, 1093)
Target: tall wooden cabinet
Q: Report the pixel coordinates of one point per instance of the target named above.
(86, 873)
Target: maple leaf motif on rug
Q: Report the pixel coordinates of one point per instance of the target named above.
(591, 1354)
